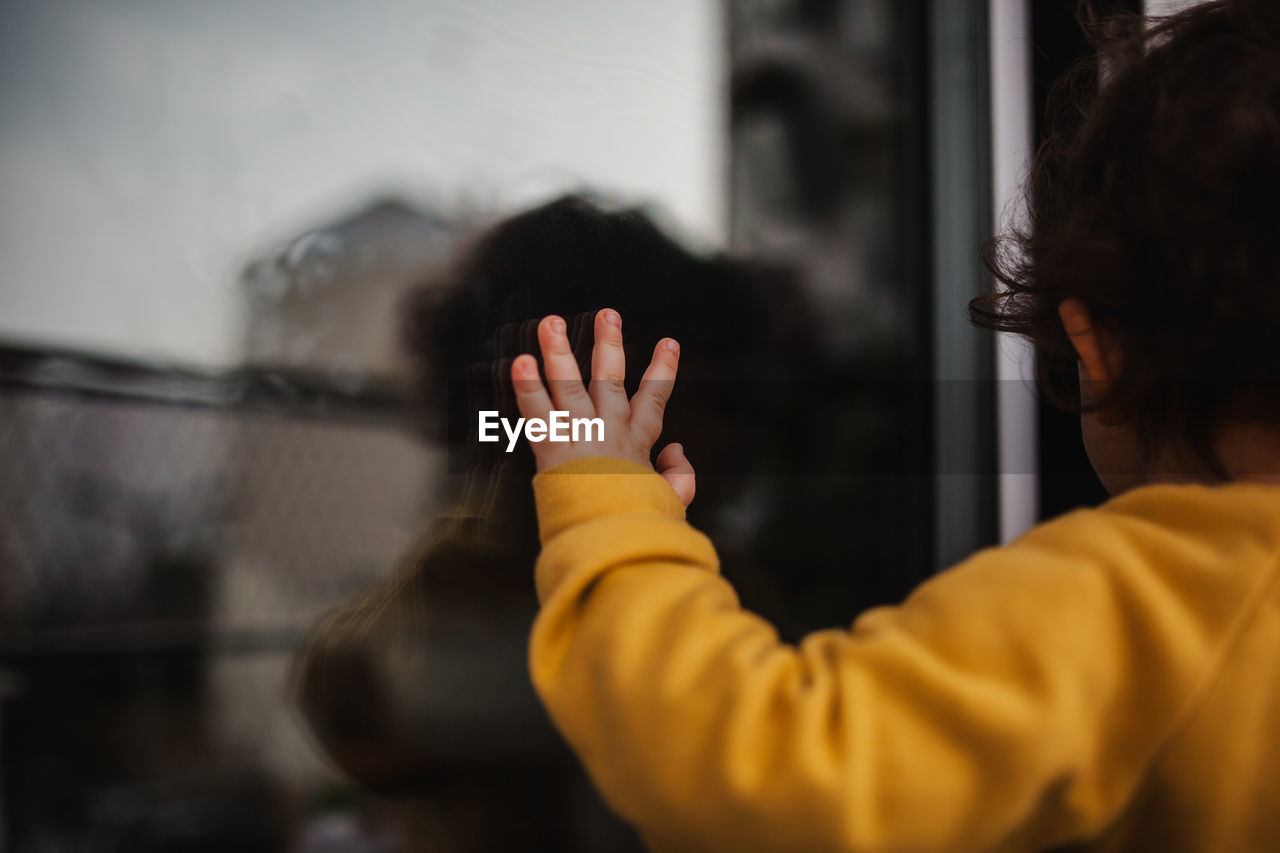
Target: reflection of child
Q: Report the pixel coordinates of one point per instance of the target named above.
(418, 686)
(1110, 679)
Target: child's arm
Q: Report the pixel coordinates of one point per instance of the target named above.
(1013, 703)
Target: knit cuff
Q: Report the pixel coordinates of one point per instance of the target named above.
(580, 490)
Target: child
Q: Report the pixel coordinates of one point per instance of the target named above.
(1109, 681)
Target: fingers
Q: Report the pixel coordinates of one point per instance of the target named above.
(677, 470)
(564, 381)
(506, 347)
(504, 393)
(508, 340)
(650, 402)
(580, 336)
(607, 359)
(531, 395)
(527, 338)
(609, 367)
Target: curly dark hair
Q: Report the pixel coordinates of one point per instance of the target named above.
(1155, 199)
(736, 319)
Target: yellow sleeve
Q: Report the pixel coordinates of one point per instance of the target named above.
(1012, 703)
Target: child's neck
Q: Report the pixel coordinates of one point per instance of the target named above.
(1250, 453)
(1247, 453)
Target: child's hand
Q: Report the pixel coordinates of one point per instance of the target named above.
(630, 427)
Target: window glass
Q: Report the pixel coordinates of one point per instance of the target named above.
(260, 587)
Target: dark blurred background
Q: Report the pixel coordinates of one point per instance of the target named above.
(210, 435)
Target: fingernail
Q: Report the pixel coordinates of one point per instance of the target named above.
(672, 347)
(613, 318)
(522, 368)
(557, 326)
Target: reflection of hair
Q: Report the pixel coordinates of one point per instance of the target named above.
(1156, 200)
(571, 257)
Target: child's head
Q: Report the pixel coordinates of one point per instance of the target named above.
(573, 256)
(1152, 252)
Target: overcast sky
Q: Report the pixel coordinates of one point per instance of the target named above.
(149, 147)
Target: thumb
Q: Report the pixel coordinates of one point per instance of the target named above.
(676, 469)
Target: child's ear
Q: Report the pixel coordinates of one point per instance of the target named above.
(1099, 365)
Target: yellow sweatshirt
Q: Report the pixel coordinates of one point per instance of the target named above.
(1110, 679)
